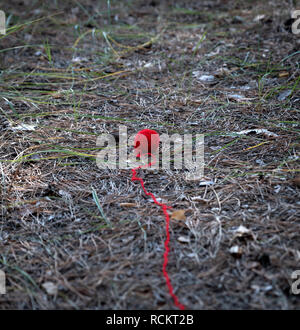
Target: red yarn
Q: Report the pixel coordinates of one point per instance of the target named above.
(164, 207)
(146, 142)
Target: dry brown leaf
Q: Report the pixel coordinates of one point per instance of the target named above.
(57, 95)
(128, 204)
(296, 181)
(178, 215)
(283, 74)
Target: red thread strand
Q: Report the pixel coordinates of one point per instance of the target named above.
(167, 241)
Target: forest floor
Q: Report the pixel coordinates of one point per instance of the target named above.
(73, 236)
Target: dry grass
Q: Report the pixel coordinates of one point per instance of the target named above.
(86, 68)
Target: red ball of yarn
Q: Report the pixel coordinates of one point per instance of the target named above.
(146, 141)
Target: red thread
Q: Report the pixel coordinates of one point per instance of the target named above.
(167, 249)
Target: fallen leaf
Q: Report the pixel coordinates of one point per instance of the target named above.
(283, 95)
(50, 288)
(206, 183)
(242, 231)
(221, 72)
(283, 74)
(207, 78)
(296, 181)
(238, 97)
(256, 131)
(236, 251)
(204, 77)
(183, 239)
(128, 205)
(178, 215)
(57, 95)
(259, 18)
(148, 65)
(79, 59)
(24, 127)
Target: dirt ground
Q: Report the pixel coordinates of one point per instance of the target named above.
(72, 70)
